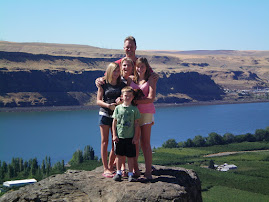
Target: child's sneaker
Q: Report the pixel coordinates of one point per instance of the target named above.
(131, 178)
(117, 177)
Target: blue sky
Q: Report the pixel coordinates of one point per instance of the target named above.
(156, 24)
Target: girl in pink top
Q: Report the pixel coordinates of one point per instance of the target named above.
(146, 108)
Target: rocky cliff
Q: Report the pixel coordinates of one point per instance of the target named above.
(62, 88)
(168, 184)
(40, 74)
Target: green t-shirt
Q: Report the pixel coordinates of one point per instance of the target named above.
(126, 117)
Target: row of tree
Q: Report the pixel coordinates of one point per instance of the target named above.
(20, 169)
(216, 139)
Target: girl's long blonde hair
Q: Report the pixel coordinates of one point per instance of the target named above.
(147, 73)
(109, 72)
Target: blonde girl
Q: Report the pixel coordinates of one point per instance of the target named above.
(107, 95)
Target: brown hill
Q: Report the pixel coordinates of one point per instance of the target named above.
(221, 65)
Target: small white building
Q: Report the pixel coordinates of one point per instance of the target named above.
(225, 167)
(19, 182)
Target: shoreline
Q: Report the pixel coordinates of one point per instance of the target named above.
(95, 107)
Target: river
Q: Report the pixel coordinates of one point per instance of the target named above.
(59, 134)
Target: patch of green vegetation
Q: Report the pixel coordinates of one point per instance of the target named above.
(224, 194)
(87, 165)
(249, 182)
(243, 146)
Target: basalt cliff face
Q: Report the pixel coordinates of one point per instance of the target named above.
(168, 184)
(61, 88)
(38, 74)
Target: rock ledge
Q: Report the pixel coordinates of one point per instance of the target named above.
(168, 184)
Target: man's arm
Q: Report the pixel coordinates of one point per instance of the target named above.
(154, 76)
(99, 81)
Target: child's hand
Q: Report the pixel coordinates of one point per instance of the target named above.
(135, 140)
(115, 138)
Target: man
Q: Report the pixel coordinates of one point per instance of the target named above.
(129, 48)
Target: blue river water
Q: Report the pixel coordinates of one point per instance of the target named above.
(59, 134)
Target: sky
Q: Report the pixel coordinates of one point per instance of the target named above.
(156, 24)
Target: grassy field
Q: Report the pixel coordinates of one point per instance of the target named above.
(249, 182)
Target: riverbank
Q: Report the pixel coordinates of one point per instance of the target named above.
(94, 107)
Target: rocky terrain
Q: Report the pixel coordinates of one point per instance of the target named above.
(168, 184)
(39, 74)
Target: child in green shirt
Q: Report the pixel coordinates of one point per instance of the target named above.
(125, 130)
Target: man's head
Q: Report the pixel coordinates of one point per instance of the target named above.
(130, 46)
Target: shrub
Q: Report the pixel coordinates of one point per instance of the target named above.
(171, 143)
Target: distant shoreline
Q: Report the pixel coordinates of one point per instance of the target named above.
(94, 107)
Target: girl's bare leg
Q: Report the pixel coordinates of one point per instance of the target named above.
(146, 147)
(112, 157)
(136, 168)
(104, 130)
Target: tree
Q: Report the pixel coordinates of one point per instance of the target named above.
(88, 153)
(171, 143)
(249, 137)
(239, 138)
(10, 171)
(214, 139)
(77, 158)
(188, 143)
(43, 168)
(15, 165)
(260, 134)
(26, 170)
(59, 166)
(48, 165)
(92, 154)
(63, 167)
(228, 138)
(21, 164)
(34, 166)
(4, 167)
(199, 141)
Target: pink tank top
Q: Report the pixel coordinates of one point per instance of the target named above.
(144, 108)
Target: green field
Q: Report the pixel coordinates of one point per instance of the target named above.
(249, 182)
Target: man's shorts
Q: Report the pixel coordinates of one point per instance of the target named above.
(104, 120)
(146, 118)
(125, 147)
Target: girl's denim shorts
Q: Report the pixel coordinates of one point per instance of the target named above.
(104, 120)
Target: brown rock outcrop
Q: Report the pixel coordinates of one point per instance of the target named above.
(168, 184)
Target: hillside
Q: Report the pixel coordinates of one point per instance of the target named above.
(40, 74)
